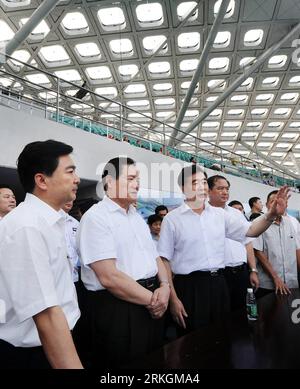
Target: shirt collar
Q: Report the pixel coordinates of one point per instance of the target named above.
(43, 209)
(114, 207)
(185, 208)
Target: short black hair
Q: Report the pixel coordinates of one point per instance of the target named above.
(4, 186)
(160, 208)
(154, 218)
(40, 157)
(253, 200)
(254, 216)
(187, 172)
(235, 202)
(271, 193)
(114, 168)
(213, 179)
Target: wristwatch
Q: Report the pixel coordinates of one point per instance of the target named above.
(253, 270)
(271, 219)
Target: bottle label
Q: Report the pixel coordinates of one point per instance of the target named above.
(252, 310)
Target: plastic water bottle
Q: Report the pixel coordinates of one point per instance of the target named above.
(251, 305)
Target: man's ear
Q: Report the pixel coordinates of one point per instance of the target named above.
(40, 180)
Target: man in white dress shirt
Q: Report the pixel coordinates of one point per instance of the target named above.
(237, 255)
(70, 233)
(128, 289)
(7, 200)
(36, 283)
(278, 254)
(192, 243)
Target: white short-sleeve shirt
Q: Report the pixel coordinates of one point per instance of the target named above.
(107, 231)
(34, 271)
(194, 242)
(235, 252)
(70, 233)
(279, 244)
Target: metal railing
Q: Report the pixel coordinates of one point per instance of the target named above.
(104, 116)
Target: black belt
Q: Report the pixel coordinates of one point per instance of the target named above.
(149, 283)
(236, 269)
(210, 273)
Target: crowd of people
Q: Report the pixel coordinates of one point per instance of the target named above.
(101, 289)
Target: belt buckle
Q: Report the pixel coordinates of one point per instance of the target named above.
(214, 273)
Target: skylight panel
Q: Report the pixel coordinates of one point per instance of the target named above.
(211, 98)
(165, 87)
(211, 135)
(19, 55)
(216, 112)
(188, 65)
(99, 73)
(239, 98)
(108, 91)
(138, 103)
(71, 75)
(5, 82)
(184, 8)
(264, 144)
(253, 37)
(247, 84)
(54, 55)
(88, 50)
(289, 97)
(222, 40)
(121, 47)
(186, 85)
(269, 135)
(294, 81)
(16, 3)
(128, 70)
(40, 31)
(247, 61)
(188, 41)
(283, 145)
(226, 144)
(229, 11)
(38, 78)
(265, 97)
(191, 113)
(217, 84)
(159, 68)
(75, 23)
(152, 43)
(165, 101)
(277, 154)
(277, 61)
(112, 18)
(275, 124)
(254, 124)
(270, 81)
(249, 134)
(259, 111)
(232, 124)
(295, 125)
(219, 64)
(290, 135)
(150, 14)
(6, 32)
(282, 111)
(229, 134)
(210, 124)
(164, 114)
(135, 89)
(236, 112)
